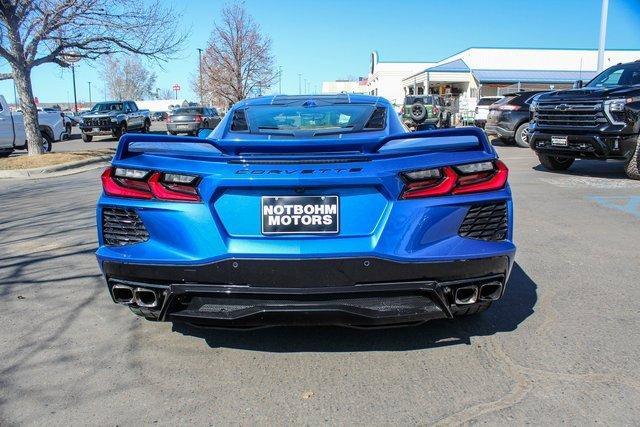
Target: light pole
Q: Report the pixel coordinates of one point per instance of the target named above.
(299, 83)
(305, 86)
(603, 34)
(89, 93)
(200, 72)
(75, 98)
(280, 79)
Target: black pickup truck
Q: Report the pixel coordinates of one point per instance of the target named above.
(598, 121)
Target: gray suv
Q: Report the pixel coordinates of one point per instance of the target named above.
(190, 120)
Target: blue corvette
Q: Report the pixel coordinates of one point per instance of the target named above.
(306, 210)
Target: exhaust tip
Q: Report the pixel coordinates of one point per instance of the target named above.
(122, 294)
(466, 295)
(491, 291)
(145, 298)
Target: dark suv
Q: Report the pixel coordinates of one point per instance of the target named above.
(508, 119)
(422, 111)
(598, 121)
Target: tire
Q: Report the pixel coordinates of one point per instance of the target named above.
(6, 153)
(522, 135)
(68, 129)
(87, 138)
(555, 163)
(471, 309)
(418, 112)
(121, 130)
(46, 141)
(146, 126)
(632, 166)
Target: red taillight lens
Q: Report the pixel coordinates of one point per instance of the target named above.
(483, 181)
(509, 107)
(137, 184)
(124, 187)
(198, 118)
(174, 191)
(463, 179)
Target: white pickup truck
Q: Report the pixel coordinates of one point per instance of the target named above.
(12, 134)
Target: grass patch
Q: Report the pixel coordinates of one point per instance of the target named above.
(49, 159)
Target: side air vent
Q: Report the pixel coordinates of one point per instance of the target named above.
(239, 122)
(377, 119)
(485, 222)
(122, 227)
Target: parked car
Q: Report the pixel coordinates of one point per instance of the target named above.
(599, 121)
(191, 119)
(74, 119)
(306, 210)
(12, 133)
(482, 109)
(420, 111)
(114, 118)
(508, 119)
(159, 116)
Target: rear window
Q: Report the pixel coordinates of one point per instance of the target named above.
(187, 111)
(339, 118)
(487, 101)
(505, 100)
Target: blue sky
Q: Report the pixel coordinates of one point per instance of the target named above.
(332, 39)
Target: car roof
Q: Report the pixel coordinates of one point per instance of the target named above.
(341, 98)
(525, 93)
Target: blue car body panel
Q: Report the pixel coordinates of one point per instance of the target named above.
(361, 168)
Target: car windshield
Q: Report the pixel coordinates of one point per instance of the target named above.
(187, 111)
(108, 106)
(620, 75)
(339, 117)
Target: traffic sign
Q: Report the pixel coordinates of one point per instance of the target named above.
(176, 87)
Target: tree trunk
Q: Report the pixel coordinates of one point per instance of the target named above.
(22, 78)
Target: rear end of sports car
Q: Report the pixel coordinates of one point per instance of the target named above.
(306, 211)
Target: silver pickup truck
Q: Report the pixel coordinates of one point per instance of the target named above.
(12, 134)
(114, 118)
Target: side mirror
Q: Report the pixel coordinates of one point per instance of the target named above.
(204, 132)
(578, 84)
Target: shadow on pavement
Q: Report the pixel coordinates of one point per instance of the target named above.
(504, 316)
(591, 168)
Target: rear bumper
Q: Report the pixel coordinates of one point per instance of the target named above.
(183, 127)
(585, 145)
(360, 292)
(498, 131)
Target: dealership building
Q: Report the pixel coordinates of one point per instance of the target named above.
(484, 71)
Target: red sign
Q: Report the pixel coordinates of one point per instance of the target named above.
(176, 87)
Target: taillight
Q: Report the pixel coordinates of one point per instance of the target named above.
(508, 107)
(461, 179)
(139, 184)
(198, 118)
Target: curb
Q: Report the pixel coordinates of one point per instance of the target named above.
(57, 170)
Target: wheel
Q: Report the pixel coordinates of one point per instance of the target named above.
(87, 138)
(120, 131)
(146, 126)
(47, 142)
(418, 112)
(632, 166)
(6, 153)
(471, 309)
(555, 163)
(522, 135)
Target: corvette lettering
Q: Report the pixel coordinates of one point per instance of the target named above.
(295, 171)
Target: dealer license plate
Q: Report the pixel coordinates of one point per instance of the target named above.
(300, 214)
(559, 141)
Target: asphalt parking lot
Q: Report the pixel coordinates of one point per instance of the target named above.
(561, 346)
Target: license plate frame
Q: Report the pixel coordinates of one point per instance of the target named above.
(560, 141)
(327, 207)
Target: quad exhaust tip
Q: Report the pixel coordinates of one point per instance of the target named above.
(122, 294)
(145, 297)
(466, 295)
(491, 291)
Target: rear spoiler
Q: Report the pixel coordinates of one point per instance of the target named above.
(454, 139)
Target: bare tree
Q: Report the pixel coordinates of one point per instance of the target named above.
(238, 60)
(167, 94)
(127, 77)
(36, 32)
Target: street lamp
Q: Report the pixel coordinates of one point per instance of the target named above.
(71, 58)
(603, 34)
(299, 83)
(89, 93)
(280, 79)
(200, 72)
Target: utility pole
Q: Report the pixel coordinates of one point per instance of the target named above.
(75, 99)
(200, 71)
(299, 83)
(280, 79)
(89, 92)
(305, 86)
(603, 34)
